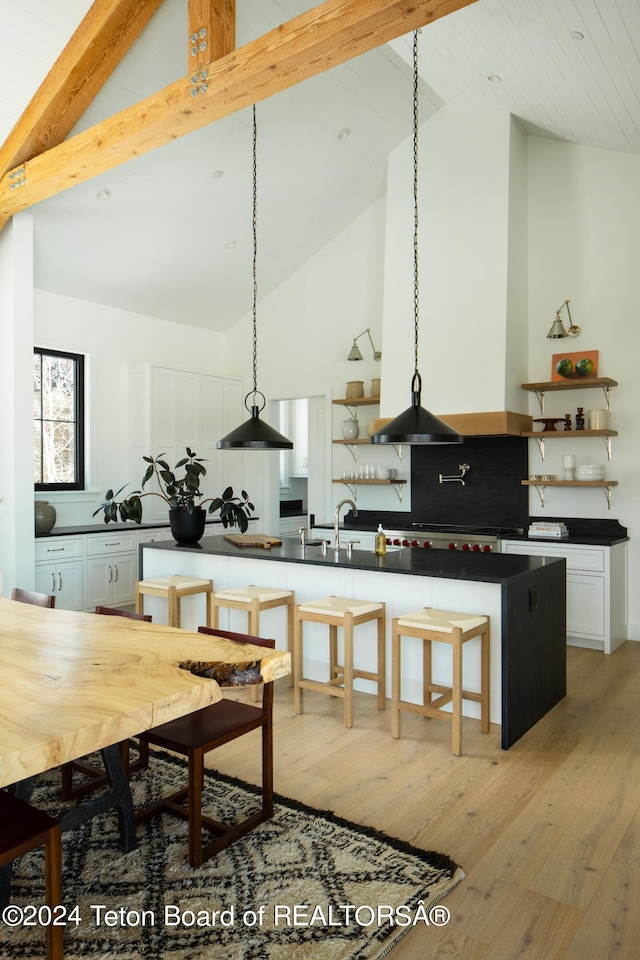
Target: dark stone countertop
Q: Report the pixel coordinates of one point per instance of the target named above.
(488, 568)
(597, 532)
(106, 528)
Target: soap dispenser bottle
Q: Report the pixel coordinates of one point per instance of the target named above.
(381, 541)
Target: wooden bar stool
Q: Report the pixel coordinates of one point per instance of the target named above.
(174, 588)
(441, 626)
(347, 613)
(253, 600)
(23, 828)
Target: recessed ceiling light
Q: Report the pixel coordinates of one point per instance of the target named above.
(494, 78)
(344, 133)
(576, 35)
(217, 174)
(103, 194)
(230, 244)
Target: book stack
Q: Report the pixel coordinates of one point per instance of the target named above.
(542, 528)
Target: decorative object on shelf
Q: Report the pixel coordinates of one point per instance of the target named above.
(350, 429)
(375, 387)
(186, 516)
(558, 331)
(580, 419)
(371, 428)
(255, 434)
(574, 366)
(384, 473)
(569, 464)
(45, 516)
(355, 354)
(567, 421)
(590, 471)
(598, 419)
(355, 389)
(549, 423)
(543, 477)
(416, 425)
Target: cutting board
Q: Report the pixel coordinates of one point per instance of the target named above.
(253, 540)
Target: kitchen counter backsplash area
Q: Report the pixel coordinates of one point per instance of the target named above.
(476, 483)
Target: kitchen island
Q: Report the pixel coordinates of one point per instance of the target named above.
(524, 596)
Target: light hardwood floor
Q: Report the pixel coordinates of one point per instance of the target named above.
(548, 832)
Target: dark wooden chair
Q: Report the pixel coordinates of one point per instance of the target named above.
(23, 829)
(197, 734)
(97, 777)
(37, 599)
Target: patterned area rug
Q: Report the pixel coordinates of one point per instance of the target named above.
(305, 884)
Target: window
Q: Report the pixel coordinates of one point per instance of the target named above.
(58, 420)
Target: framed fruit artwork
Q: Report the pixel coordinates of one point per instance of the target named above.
(580, 365)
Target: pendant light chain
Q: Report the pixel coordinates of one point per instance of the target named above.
(416, 282)
(255, 253)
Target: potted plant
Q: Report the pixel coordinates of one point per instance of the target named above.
(187, 515)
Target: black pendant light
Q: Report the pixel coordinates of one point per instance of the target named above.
(416, 425)
(255, 434)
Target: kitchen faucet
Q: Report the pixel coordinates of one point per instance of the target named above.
(336, 521)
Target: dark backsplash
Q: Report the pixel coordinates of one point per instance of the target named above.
(492, 494)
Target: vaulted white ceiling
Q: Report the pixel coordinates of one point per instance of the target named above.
(173, 238)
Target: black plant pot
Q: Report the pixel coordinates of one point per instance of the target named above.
(187, 527)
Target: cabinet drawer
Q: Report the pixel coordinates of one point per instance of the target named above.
(154, 536)
(57, 548)
(578, 558)
(109, 545)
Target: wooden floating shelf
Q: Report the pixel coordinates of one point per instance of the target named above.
(540, 485)
(357, 401)
(351, 442)
(360, 482)
(570, 384)
(569, 483)
(567, 434)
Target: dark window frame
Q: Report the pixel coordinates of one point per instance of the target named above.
(78, 420)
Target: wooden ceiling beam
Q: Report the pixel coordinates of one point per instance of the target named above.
(88, 60)
(323, 37)
(212, 31)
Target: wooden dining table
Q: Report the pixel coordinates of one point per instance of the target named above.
(72, 683)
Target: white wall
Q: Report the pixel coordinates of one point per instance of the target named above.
(464, 215)
(16, 403)
(112, 340)
(584, 245)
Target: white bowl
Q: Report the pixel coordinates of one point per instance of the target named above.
(591, 466)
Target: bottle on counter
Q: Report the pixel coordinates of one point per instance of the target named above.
(381, 541)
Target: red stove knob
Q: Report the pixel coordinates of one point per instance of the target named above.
(452, 546)
(387, 540)
(405, 543)
(414, 543)
(465, 546)
(476, 547)
(396, 542)
(487, 548)
(426, 544)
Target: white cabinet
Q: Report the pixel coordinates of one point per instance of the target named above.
(111, 569)
(596, 589)
(171, 410)
(59, 570)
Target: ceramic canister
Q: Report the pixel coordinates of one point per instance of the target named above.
(598, 419)
(350, 429)
(355, 389)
